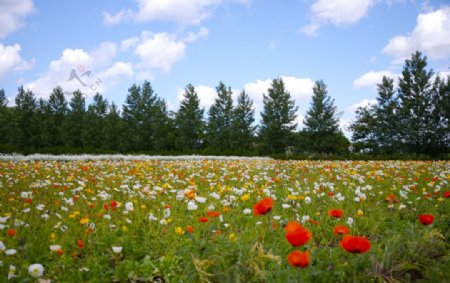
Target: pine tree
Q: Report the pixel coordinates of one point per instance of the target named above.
(363, 133)
(95, 116)
(386, 127)
(243, 128)
(6, 121)
(113, 130)
(220, 122)
(57, 105)
(76, 121)
(189, 122)
(26, 130)
(415, 96)
(278, 118)
(322, 124)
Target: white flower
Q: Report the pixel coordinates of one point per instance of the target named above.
(258, 223)
(402, 206)
(117, 250)
(2, 246)
(2, 226)
(277, 217)
(307, 200)
(214, 195)
(349, 221)
(192, 205)
(129, 206)
(357, 199)
(11, 252)
(36, 270)
(305, 218)
(151, 217)
(107, 216)
(247, 211)
(285, 205)
(4, 219)
(167, 213)
(200, 199)
(55, 248)
(163, 222)
(12, 272)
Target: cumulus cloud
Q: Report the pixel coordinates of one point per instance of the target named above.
(12, 13)
(372, 78)
(184, 12)
(90, 72)
(11, 61)
(338, 12)
(430, 35)
(364, 103)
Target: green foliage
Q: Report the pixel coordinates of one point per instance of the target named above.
(243, 130)
(278, 118)
(220, 120)
(189, 122)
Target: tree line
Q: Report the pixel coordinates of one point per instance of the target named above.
(413, 120)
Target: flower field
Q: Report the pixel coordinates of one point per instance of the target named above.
(224, 221)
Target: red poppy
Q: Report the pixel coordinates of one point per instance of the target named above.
(190, 229)
(28, 200)
(447, 194)
(296, 234)
(11, 232)
(298, 258)
(263, 207)
(203, 219)
(355, 244)
(341, 230)
(60, 252)
(113, 204)
(426, 219)
(80, 244)
(336, 213)
(213, 213)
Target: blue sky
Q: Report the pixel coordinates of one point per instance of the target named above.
(244, 43)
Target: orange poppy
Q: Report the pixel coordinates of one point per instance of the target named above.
(355, 244)
(213, 213)
(80, 244)
(299, 259)
(11, 232)
(296, 234)
(190, 229)
(341, 230)
(263, 207)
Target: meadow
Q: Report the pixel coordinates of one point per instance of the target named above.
(229, 220)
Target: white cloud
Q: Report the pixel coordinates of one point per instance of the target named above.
(128, 43)
(12, 13)
(193, 36)
(11, 61)
(430, 35)
(365, 102)
(184, 12)
(337, 12)
(95, 70)
(159, 51)
(372, 78)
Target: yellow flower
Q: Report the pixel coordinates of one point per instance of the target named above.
(245, 197)
(52, 237)
(360, 212)
(179, 231)
(143, 206)
(232, 237)
(84, 221)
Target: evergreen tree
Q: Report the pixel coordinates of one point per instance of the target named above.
(57, 106)
(278, 118)
(114, 128)
(189, 122)
(95, 116)
(76, 121)
(386, 126)
(26, 130)
(163, 127)
(243, 128)
(220, 122)
(363, 133)
(415, 92)
(322, 124)
(5, 118)
(141, 111)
